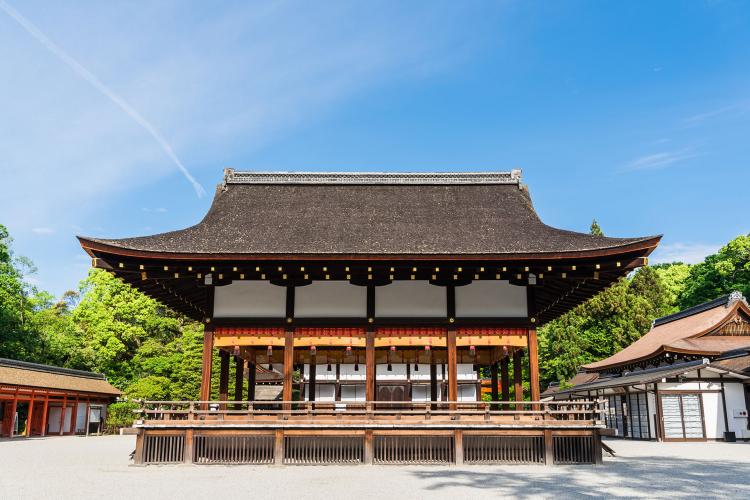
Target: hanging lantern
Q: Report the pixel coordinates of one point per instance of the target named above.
(236, 350)
(348, 350)
(472, 350)
(427, 348)
(313, 350)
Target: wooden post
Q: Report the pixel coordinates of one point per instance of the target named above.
(549, 448)
(288, 365)
(533, 364)
(239, 378)
(45, 410)
(452, 366)
(597, 447)
(458, 438)
(518, 374)
(88, 415)
(188, 455)
(62, 414)
(369, 449)
(208, 349)
(504, 378)
(251, 380)
(370, 393)
(139, 439)
(493, 378)
(29, 418)
(433, 383)
(278, 453)
(13, 409)
(224, 376)
(311, 387)
(74, 417)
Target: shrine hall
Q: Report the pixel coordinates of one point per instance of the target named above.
(379, 299)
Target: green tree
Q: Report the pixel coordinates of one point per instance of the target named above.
(719, 274)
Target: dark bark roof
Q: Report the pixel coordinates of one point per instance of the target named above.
(371, 214)
(52, 377)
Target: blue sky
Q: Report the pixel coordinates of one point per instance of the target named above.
(633, 113)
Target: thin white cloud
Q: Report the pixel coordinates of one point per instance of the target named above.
(688, 253)
(87, 75)
(43, 231)
(701, 117)
(658, 160)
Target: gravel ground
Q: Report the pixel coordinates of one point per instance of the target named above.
(79, 467)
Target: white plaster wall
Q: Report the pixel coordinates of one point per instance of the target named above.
(423, 373)
(405, 299)
(398, 372)
(652, 414)
(466, 372)
(347, 372)
(250, 298)
(330, 299)
(81, 418)
(713, 415)
(497, 298)
(467, 392)
(353, 392)
(736, 401)
(420, 392)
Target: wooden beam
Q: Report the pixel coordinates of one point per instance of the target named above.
(452, 366)
(208, 349)
(288, 365)
(533, 365)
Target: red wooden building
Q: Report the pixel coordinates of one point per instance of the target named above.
(382, 287)
(41, 400)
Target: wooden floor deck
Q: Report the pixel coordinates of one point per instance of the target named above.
(261, 432)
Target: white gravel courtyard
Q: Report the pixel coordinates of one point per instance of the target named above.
(98, 467)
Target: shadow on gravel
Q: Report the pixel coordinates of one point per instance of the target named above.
(644, 476)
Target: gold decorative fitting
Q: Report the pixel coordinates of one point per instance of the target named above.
(437, 269)
(166, 268)
(434, 276)
(618, 264)
(390, 276)
(459, 269)
(281, 268)
(325, 269)
(549, 268)
(518, 276)
(497, 276)
(455, 276)
(283, 276)
(533, 320)
(213, 269)
(242, 276)
(143, 275)
(289, 320)
(306, 276)
(208, 320)
(257, 269)
(369, 276)
(190, 268)
(370, 320)
(234, 269)
(302, 268)
(481, 269)
(505, 269)
(526, 269)
(414, 269)
(121, 265)
(476, 276)
(221, 276)
(572, 268)
(200, 275)
(598, 266)
(564, 275)
(348, 276)
(93, 262)
(346, 269)
(263, 276)
(328, 276)
(413, 277)
(176, 275)
(369, 269)
(451, 320)
(596, 275)
(392, 269)
(540, 276)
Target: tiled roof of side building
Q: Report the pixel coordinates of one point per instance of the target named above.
(266, 213)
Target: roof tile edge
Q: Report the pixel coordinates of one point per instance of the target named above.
(232, 176)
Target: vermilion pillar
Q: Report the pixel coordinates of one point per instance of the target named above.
(370, 394)
(518, 374)
(239, 379)
(533, 365)
(452, 365)
(504, 378)
(224, 375)
(288, 365)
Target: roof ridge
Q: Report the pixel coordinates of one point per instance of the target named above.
(14, 363)
(232, 176)
(690, 311)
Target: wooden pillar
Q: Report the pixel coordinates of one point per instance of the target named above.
(45, 410)
(223, 376)
(62, 414)
(493, 377)
(549, 447)
(13, 409)
(239, 378)
(88, 416)
(278, 449)
(369, 448)
(452, 366)
(251, 380)
(188, 454)
(313, 375)
(504, 378)
(533, 364)
(518, 374)
(458, 439)
(208, 349)
(433, 382)
(74, 417)
(288, 365)
(370, 394)
(29, 418)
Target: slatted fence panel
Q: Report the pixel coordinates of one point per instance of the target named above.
(323, 450)
(161, 449)
(573, 449)
(503, 449)
(406, 450)
(237, 449)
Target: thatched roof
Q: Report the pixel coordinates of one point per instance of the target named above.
(26, 374)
